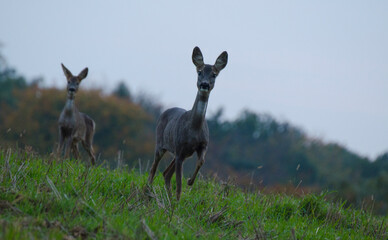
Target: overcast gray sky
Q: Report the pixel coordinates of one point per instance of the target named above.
(322, 66)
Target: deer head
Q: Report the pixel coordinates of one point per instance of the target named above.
(207, 73)
(73, 81)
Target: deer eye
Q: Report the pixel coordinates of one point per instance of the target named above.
(214, 75)
(199, 73)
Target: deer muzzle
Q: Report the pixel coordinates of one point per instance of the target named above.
(205, 87)
(71, 89)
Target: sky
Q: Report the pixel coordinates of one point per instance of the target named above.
(320, 65)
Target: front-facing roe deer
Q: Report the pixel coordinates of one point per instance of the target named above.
(75, 126)
(184, 132)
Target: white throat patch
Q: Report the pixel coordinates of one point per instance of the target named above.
(69, 104)
(201, 107)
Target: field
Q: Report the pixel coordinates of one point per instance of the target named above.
(43, 198)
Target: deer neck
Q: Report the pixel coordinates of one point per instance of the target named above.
(69, 106)
(198, 111)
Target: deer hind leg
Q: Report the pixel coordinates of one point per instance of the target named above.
(158, 156)
(89, 149)
(88, 142)
(201, 160)
(167, 174)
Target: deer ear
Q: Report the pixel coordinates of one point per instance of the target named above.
(66, 71)
(83, 74)
(221, 62)
(197, 58)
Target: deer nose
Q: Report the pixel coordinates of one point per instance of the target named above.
(71, 89)
(204, 86)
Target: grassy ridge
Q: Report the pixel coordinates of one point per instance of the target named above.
(45, 199)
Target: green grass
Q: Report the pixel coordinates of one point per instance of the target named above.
(41, 198)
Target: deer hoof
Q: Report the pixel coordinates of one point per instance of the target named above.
(190, 182)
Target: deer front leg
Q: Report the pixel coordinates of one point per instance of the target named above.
(178, 174)
(60, 145)
(67, 147)
(158, 155)
(167, 174)
(201, 159)
(74, 148)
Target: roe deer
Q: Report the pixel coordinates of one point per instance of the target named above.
(75, 126)
(184, 132)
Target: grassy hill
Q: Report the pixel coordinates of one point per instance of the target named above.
(254, 148)
(42, 198)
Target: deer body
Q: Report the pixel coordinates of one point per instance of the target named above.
(175, 126)
(75, 126)
(184, 133)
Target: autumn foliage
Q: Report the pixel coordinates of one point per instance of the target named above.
(33, 122)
